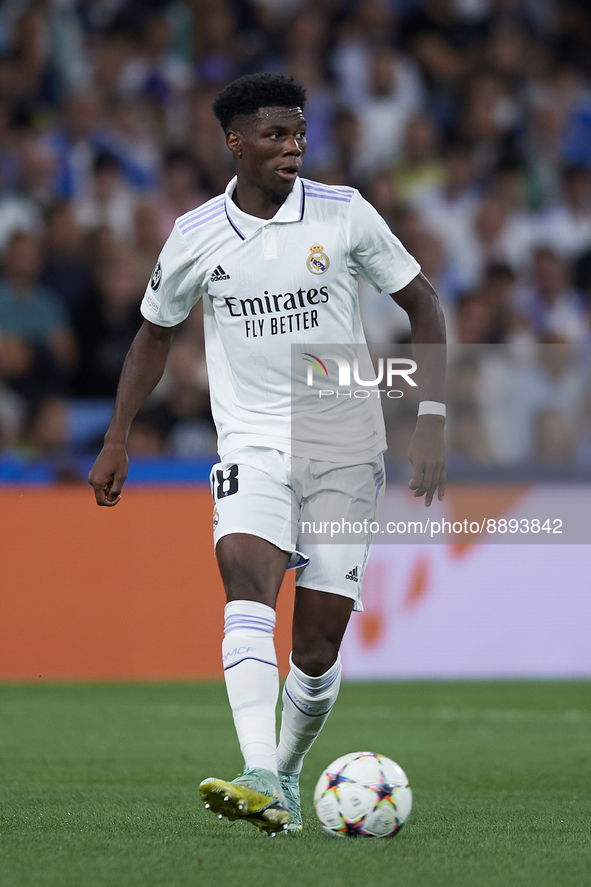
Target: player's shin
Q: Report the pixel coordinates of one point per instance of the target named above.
(252, 680)
(307, 702)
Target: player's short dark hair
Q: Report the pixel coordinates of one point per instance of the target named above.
(246, 95)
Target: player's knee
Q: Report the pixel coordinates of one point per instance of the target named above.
(315, 660)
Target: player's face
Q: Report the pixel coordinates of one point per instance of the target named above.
(272, 146)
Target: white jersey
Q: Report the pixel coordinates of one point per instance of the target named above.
(267, 285)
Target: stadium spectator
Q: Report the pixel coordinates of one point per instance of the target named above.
(383, 113)
(148, 239)
(499, 294)
(341, 151)
(467, 439)
(307, 38)
(553, 440)
(567, 226)
(37, 170)
(437, 38)
(18, 209)
(577, 126)
(29, 309)
(509, 186)
(382, 192)
(541, 142)
(17, 213)
(14, 359)
(473, 318)
(110, 202)
(145, 438)
(408, 225)
(9, 159)
(182, 417)
(221, 51)
(486, 241)
(75, 145)
(24, 66)
(463, 381)
(129, 135)
(563, 375)
(582, 277)
(448, 209)
(106, 320)
(370, 23)
(308, 70)
(114, 48)
(66, 270)
(304, 57)
(551, 304)
(46, 433)
(420, 168)
(62, 34)
(180, 191)
(205, 142)
(490, 118)
(158, 77)
(515, 386)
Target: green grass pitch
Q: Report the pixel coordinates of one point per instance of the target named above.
(98, 788)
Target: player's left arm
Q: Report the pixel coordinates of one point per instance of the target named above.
(427, 447)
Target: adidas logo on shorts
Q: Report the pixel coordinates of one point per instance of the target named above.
(353, 575)
(219, 274)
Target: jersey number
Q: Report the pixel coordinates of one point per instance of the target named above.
(227, 482)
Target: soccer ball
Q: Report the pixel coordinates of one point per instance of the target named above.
(363, 794)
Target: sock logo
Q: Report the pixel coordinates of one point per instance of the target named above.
(237, 651)
(353, 575)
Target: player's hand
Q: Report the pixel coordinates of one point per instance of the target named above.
(108, 474)
(427, 457)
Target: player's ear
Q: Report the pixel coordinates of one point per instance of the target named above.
(234, 143)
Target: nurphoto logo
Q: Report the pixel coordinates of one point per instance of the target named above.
(388, 370)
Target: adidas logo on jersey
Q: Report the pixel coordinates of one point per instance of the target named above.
(353, 575)
(219, 274)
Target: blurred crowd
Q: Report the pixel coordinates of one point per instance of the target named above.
(467, 123)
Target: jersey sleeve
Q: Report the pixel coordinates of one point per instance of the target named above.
(174, 286)
(375, 254)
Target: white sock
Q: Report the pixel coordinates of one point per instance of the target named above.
(252, 679)
(307, 702)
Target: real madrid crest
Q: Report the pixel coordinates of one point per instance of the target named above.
(317, 261)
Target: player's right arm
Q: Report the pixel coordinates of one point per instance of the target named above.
(141, 373)
(174, 288)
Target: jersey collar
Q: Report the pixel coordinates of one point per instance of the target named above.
(245, 226)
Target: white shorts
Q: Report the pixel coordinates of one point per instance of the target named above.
(253, 493)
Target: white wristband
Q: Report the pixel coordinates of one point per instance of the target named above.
(431, 408)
